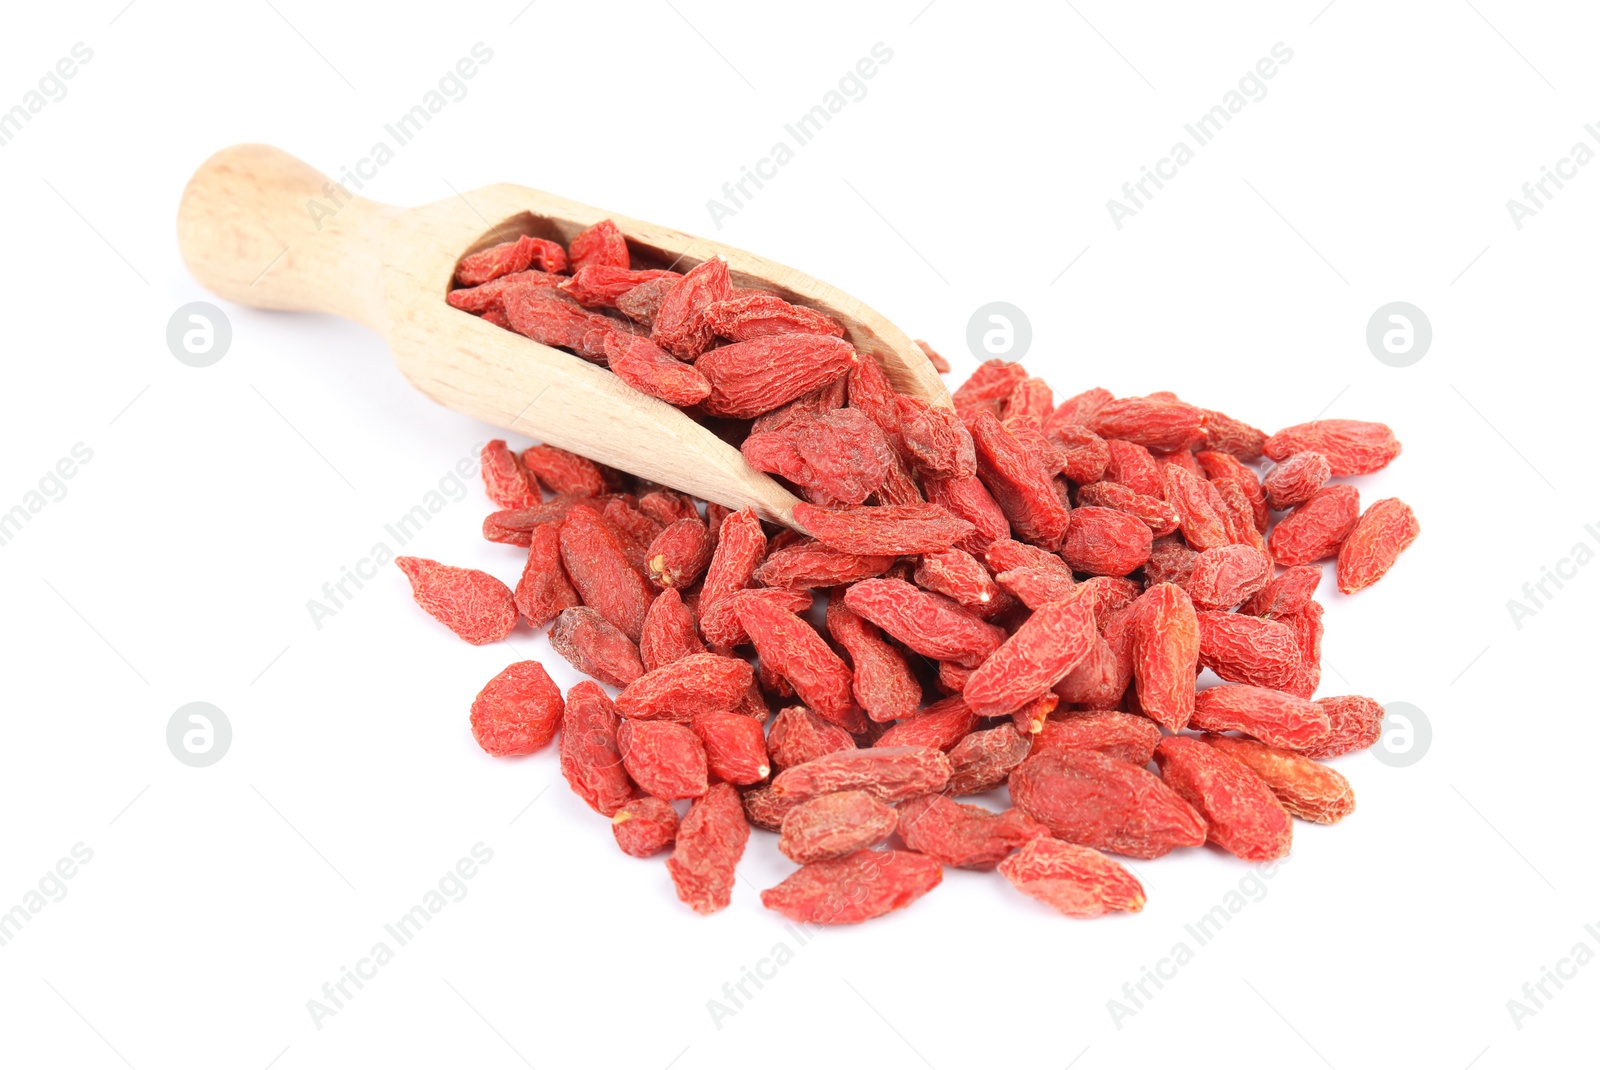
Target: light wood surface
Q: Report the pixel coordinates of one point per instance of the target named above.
(253, 228)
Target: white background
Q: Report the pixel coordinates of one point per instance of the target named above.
(178, 565)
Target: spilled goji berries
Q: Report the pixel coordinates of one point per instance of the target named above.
(1017, 596)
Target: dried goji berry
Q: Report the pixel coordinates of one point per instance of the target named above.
(858, 887)
(736, 747)
(1159, 516)
(543, 591)
(651, 370)
(1306, 623)
(889, 773)
(794, 649)
(1285, 594)
(665, 759)
(940, 365)
(567, 473)
(1153, 424)
(598, 285)
(1218, 465)
(750, 378)
(1274, 717)
(667, 507)
(971, 501)
(1106, 542)
(957, 574)
(811, 564)
(515, 527)
(1080, 882)
(1047, 646)
(1079, 408)
(1127, 737)
(1199, 508)
(590, 761)
(983, 760)
(763, 809)
(601, 244)
(881, 681)
(642, 303)
(688, 686)
(596, 647)
(1369, 551)
(1225, 576)
(941, 725)
(963, 835)
(1356, 723)
(930, 624)
(741, 545)
(518, 711)
(711, 841)
(798, 735)
(1166, 654)
(755, 313)
(669, 633)
(1307, 789)
(1352, 447)
(934, 439)
(1317, 528)
(645, 826)
(1134, 467)
(473, 604)
(832, 826)
(989, 384)
(551, 318)
(1242, 815)
(1295, 479)
(678, 555)
(719, 620)
(510, 257)
(1019, 484)
(1084, 797)
(1249, 650)
(599, 568)
(504, 478)
(883, 529)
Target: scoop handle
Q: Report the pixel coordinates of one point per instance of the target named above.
(260, 227)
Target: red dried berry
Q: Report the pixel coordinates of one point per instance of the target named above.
(750, 378)
(698, 683)
(596, 647)
(883, 529)
(599, 568)
(1087, 798)
(934, 439)
(504, 478)
(1225, 576)
(963, 835)
(791, 647)
(590, 761)
(811, 564)
(983, 760)
(881, 681)
(1273, 717)
(669, 633)
(1134, 467)
(508, 258)
(1249, 650)
(600, 245)
(1105, 542)
(665, 759)
(645, 827)
(1080, 882)
(473, 604)
(1352, 447)
(1153, 424)
(1316, 529)
(1369, 551)
(678, 555)
(543, 591)
(1224, 434)
(1286, 594)
(940, 365)
(1166, 654)
(1047, 646)
(643, 303)
(930, 624)
(736, 747)
(941, 725)
(601, 285)
(567, 473)
(832, 826)
(1127, 737)
(711, 841)
(518, 711)
(989, 384)
(1308, 790)
(1296, 479)
(651, 370)
(1355, 723)
(754, 314)
(889, 773)
(1200, 513)
(1160, 517)
(858, 887)
(741, 545)
(1020, 485)
(1242, 815)
(798, 735)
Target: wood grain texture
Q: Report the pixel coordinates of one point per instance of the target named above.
(248, 234)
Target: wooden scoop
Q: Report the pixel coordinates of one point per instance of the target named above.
(261, 228)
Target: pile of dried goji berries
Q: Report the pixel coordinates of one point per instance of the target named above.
(1053, 577)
